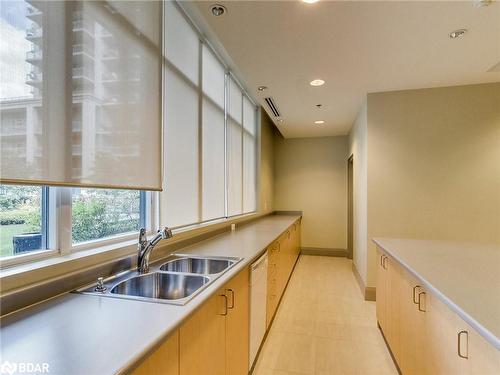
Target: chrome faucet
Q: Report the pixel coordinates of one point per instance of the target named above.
(145, 247)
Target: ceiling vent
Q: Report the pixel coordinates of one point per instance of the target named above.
(272, 106)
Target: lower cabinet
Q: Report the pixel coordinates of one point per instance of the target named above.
(202, 339)
(282, 255)
(164, 360)
(424, 335)
(215, 339)
(237, 324)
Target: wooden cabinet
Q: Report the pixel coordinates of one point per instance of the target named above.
(214, 340)
(282, 255)
(237, 324)
(202, 339)
(424, 335)
(163, 361)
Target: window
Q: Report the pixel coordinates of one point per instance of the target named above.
(210, 132)
(101, 213)
(22, 223)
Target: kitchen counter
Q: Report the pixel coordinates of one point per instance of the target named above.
(465, 276)
(87, 334)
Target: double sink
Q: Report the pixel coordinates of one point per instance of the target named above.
(176, 280)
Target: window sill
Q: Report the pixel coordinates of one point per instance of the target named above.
(59, 266)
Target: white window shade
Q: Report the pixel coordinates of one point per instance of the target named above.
(179, 200)
(109, 133)
(213, 183)
(235, 178)
(249, 156)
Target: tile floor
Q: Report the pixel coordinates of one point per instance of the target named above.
(323, 325)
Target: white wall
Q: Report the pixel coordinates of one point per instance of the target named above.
(311, 176)
(358, 149)
(266, 183)
(433, 165)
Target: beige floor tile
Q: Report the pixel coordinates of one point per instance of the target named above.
(323, 325)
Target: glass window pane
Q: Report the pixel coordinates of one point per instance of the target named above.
(235, 98)
(213, 161)
(213, 77)
(181, 42)
(249, 173)
(234, 168)
(101, 213)
(179, 199)
(20, 219)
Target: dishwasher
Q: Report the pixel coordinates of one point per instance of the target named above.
(258, 299)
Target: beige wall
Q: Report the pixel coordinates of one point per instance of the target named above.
(434, 165)
(311, 176)
(358, 149)
(266, 183)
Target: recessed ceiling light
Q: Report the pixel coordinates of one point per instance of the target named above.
(218, 10)
(262, 88)
(281, 121)
(310, 1)
(458, 33)
(319, 122)
(317, 82)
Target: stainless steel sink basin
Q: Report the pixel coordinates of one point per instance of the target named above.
(161, 285)
(174, 280)
(205, 266)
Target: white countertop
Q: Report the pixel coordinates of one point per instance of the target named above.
(93, 335)
(465, 276)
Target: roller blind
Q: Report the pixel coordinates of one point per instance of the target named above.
(80, 99)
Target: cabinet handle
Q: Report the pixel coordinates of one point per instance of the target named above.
(381, 260)
(415, 301)
(384, 264)
(232, 298)
(288, 234)
(225, 304)
(459, 348)
(419, 300)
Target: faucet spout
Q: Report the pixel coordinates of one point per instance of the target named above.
(144, 247)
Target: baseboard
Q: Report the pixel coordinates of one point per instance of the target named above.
(323, 251)
(369, 292)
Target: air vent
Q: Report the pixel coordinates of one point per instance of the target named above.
(272, 106)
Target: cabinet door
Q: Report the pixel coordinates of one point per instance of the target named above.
(442, 327)
(381, 303)
(483, 358)
(412, 328)
(237, 325)
(203, 339)
(163, 361)
(393, 309)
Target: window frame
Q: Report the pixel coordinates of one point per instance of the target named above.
(57, 227)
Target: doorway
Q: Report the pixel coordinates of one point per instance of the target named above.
(350, 220)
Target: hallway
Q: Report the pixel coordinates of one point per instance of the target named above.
(323, 325)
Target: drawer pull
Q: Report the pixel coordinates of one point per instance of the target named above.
(384, 264)
(420, 300)
(225, 304)
(232, 298)
(459, 346)
(415, 301)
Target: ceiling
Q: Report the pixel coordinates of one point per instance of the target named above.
(356, 47)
